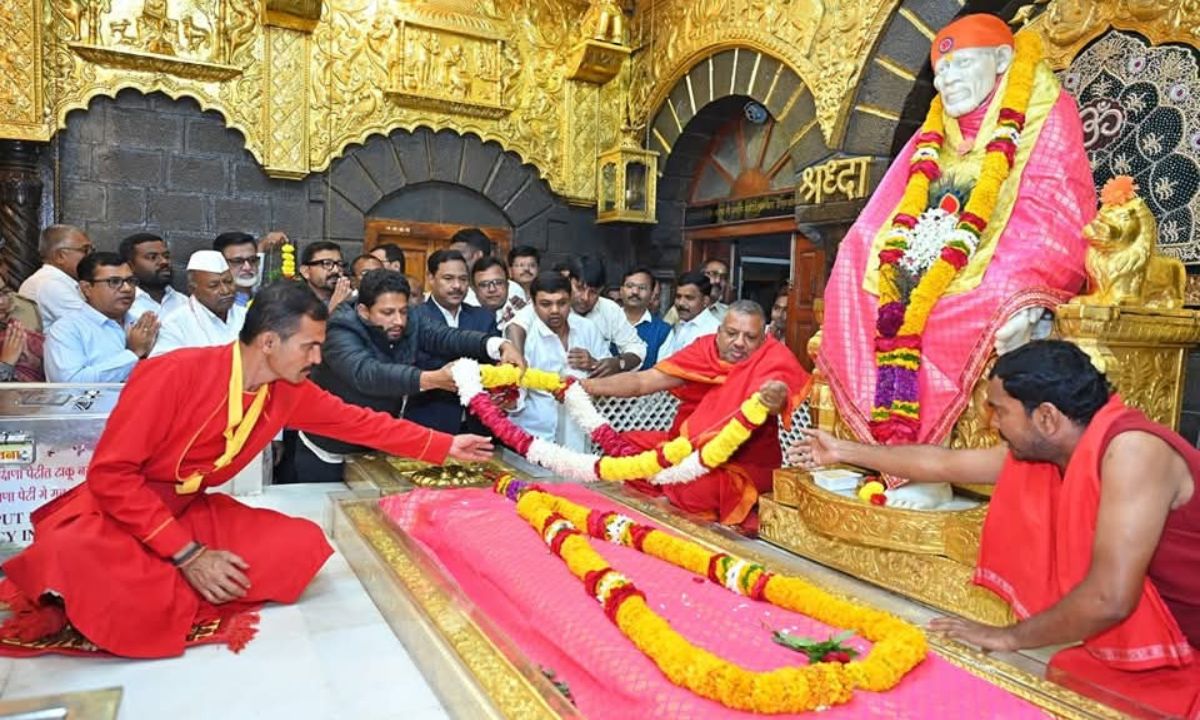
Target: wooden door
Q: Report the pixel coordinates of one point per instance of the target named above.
(807, 276)
(420, 240)
(807, 289)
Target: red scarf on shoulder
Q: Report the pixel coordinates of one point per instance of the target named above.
(716, 389)
(1051, 518)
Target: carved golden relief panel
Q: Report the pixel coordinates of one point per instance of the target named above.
(457, 67)
(20, 68)
(492, 69)
(210, 50)
(285, 119)
(1068, 25)
(174, 36)
(824, 41)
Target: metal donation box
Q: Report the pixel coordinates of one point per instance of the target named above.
(47, 434)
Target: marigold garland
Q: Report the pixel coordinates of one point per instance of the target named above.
(896, 414)
(675, 461)
(564, 525)
(287, 267)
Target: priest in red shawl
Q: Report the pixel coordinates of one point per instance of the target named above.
(139, 553)
(1092, 534)
(712, 377)
(1028, 257)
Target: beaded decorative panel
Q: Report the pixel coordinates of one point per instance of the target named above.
(1140, 106)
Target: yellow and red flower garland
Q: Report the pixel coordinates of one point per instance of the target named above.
(898, 646)
(895, 417)
(675, 461)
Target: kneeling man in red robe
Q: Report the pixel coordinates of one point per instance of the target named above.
(712, 377)
(139, 553)
(1092, 534)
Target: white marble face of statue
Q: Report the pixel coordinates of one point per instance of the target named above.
(965, 78)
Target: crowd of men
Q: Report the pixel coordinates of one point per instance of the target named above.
(92, 316)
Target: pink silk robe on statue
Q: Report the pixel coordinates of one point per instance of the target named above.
(1038, 261)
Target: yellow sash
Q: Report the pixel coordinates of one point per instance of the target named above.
(237, 428)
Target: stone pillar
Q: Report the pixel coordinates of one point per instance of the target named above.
(20, 210)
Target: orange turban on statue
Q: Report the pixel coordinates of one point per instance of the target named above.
(970, 31)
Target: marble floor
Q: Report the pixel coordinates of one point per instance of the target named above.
(329, 656)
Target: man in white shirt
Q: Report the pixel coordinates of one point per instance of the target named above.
(54, 287)
(489, 280)
(556, 341)
(717, 272)
(100, 342)
(587, 282)
(692, 296)
(148, 256)
(209, 317)
(523, 266)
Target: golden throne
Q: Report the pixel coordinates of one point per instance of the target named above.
(1140, 105)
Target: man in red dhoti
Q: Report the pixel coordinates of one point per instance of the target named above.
(712, 377)
(1092, 534)
(138, 554)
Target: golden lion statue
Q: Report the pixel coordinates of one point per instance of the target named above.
(1123, 261)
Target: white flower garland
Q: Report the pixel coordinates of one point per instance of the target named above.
(569, 464)
(926, 240)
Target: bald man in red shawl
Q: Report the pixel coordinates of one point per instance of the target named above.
(139, 553)
(712, 377)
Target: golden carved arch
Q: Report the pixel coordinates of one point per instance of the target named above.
(679, 73)
(821, 41)
(729, 72)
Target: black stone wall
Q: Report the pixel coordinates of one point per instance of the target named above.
(444, 177)
(146, 162)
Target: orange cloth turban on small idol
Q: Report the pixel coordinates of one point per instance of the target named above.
(970, 31)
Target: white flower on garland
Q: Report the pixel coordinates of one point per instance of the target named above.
(926, 240)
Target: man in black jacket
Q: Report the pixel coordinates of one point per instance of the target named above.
(367, 359)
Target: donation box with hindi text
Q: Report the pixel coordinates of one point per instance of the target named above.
(47, 435)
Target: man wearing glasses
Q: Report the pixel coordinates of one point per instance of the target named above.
(53, 287)
(324, 272)
(245, 258)
(100, 342)
(489, 280)
(639, 294)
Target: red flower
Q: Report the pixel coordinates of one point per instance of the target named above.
(890, 256)
(879, 499)
(837, 656)
(955, 257)
(1017, 118)
(928, 168)
(973, 220)
(1004, 146)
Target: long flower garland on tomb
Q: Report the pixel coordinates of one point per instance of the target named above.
(896, 415)
(564, 526)
(673, 462)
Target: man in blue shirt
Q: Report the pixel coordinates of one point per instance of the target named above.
(639, 293)
(100, 342)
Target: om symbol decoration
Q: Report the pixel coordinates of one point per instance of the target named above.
(1102, 122)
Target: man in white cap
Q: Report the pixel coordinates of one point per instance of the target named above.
(210, 316)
